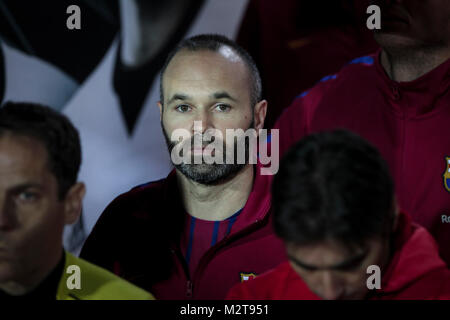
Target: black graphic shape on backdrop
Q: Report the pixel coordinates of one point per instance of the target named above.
(133, 84)
(39, 28)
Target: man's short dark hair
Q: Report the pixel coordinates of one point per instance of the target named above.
(213, 42)
(333, 186)
(51, 128)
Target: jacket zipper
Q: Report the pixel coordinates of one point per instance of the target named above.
(202, 264)
(396, 92)
(189, 289)
(182, 261)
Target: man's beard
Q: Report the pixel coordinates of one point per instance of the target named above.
(215, 173)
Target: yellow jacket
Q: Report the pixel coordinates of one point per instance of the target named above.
(95, 283)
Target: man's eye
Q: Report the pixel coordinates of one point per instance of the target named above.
(223, 107)
(27, 196)
(183, 108)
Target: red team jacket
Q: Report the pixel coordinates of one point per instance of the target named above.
(415, 272)
(137, 237)
(408, 122)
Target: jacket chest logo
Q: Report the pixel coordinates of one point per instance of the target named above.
(247, 276)
(447, 174)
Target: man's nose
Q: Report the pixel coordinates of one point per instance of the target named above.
(202, 122)
(332, 287)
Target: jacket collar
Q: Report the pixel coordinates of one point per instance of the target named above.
(257, 207)
(64, 292)
(417, 97)
(415, 255)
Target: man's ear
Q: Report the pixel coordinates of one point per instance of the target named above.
(259, 114)
(73, 203)
(160, 107)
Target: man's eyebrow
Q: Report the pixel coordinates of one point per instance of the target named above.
(223, 95)
(301, 264)
(179, 96)
(343, 265)
(351, 262)
(21, 187)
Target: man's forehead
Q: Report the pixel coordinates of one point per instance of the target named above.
(21, 151)
(224, 52)
(202, 73)
(221, 61)
(229, 53)
(326, 252)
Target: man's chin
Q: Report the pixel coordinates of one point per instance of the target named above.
(348, 296)
(392, 41)
(7, 273)
(208, 174)
(201, 173)
(355, 296)
(197, 169)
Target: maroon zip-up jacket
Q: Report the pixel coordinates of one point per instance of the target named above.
(409, 122)
(138, 238)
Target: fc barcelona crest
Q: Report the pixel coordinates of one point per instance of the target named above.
(447, 174)
(247, 276)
